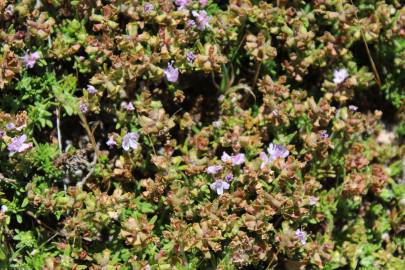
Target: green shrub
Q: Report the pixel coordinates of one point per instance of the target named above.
(194, 134)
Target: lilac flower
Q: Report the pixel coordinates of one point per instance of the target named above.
(18, 144)
(265, 159)
(124, 105)
(91, 89)
(9, 10)
(219, 186)
(21, 127)
(203, 3)
(182, 4)
(83, 107)
(111, 142)
(190, 57)
(127, 106)
(217, 124)
(130, 106)
(2, 133)
(340, 75)
(190, 23)
(214, 169)
(353, 108)
(226, 158)
(313, 200)
(274, 151)
(10, 126)
(277, 151)
(202, 19)
(229, 177)
(148, 7)
(301, 235)
(172, 74)
(4, 208)
(130, 140)
(238, 159)
(323, 134)
(30, 59)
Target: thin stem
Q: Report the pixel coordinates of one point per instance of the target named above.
(86, 126)
(258, 67)
(151, 143)
(370, 58)
(7, 180)
(238, 47)
(213, 81)
(58, 129)
(150, 139)
(40, 222)
(93, 142)
(272, 259)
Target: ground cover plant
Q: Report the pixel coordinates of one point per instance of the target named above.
(201, 134)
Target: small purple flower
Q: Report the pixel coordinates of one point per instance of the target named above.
(91, 89)
(190, 57)
(130, 140)
(217, 124)
(340, 75)
(10, 126)
(127, 106)
(265, 159)
(21, 127)
(190, 23)
(202, 19)
(148, 7)
(219, 186)
(83, 107)
(323, 134)
(301, 235)
(203, 3)
(111, 142)
(9, 10)
(172, 74)
(2, 133)
(30, 59)
(18, 144)
(226, 158)
(130, 106)
(353, 108)
(274, 151)
(229, 177)
(238, 159)
(313, 200)
(182, 4)
(277, 151)
(214, 169)
(4, 208)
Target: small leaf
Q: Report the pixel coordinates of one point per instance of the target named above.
(19, 219)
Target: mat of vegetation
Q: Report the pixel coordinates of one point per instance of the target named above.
(201, 134)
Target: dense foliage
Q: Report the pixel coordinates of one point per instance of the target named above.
(200, 134)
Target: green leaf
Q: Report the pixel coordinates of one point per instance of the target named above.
(24, 203)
